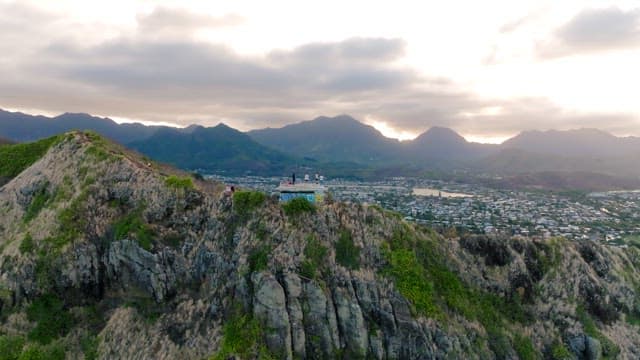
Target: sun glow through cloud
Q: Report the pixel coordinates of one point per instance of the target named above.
(485, 66)
(391, 132)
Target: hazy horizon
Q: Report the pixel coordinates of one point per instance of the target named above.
(493, 141)
(487, 70)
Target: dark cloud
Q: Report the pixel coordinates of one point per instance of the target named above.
(182, 80)
(594, 30)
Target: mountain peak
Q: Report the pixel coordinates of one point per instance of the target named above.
(441, 135)
(574, 142)
(338, 118)
(329, 138)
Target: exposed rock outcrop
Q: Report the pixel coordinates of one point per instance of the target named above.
(149, 269)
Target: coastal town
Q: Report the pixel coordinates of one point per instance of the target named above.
(612, 217)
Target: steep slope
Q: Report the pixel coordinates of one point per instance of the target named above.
(108, 256)
(218, 148)
(341, 138)
(17, 157)
(23, 127)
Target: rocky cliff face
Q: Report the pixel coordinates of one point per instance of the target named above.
(107, 255)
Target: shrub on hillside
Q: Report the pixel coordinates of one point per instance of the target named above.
(246, 201)
(178, 182)
(298, 206)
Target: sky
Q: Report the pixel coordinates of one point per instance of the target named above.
(487, 69)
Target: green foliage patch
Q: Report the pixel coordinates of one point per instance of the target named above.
(72, 221)
(52, 319)
(609, 349)
(15, 158)
(179, 182)
(259, 258)
(347, 253)
(242, 336)
(53, 351)
(524, 348)
(132, 224)
(27, 245)
(98, 152)
(560, 352)
(297, 206)
(422, 276)
(11, 347)
(89, 347)
(38, 202)
(315, 257)
(245, 201)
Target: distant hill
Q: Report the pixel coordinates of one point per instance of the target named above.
(4, 141)
(517, 161)
(23, 127)
(340, 138)
(342, 146)
(574, 143)
(219, 148)
(443, 144)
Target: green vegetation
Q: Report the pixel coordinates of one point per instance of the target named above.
(89, 347)
(72, 221)
(422, 276)
(132, 223)
(410, 280)
(38, 352)
(15, 158)
(259, 259)
(27, 245)
(609, 349)
(40, 199)
(246, 201)
(347, 253)
(52, 320)
(297, 206)
(99, 147)
(632, 240)
(98, 152)
(524, 348)
(316, 255)
(560, 352)
(242, 337)
(10, 347)
(179, 183)
(44, 268)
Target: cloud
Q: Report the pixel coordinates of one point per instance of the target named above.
(164, 21)
(184, 80)
(594, 30)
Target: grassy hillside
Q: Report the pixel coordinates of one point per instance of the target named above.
(106, 254)
(17, 157)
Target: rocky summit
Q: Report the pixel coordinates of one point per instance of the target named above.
(108, 255)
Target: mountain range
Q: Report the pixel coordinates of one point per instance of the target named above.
(343, 146)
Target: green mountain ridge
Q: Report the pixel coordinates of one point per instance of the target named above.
(214, 149)
(344, 147)
(107, 255)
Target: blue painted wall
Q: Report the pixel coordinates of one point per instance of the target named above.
(309, 196)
